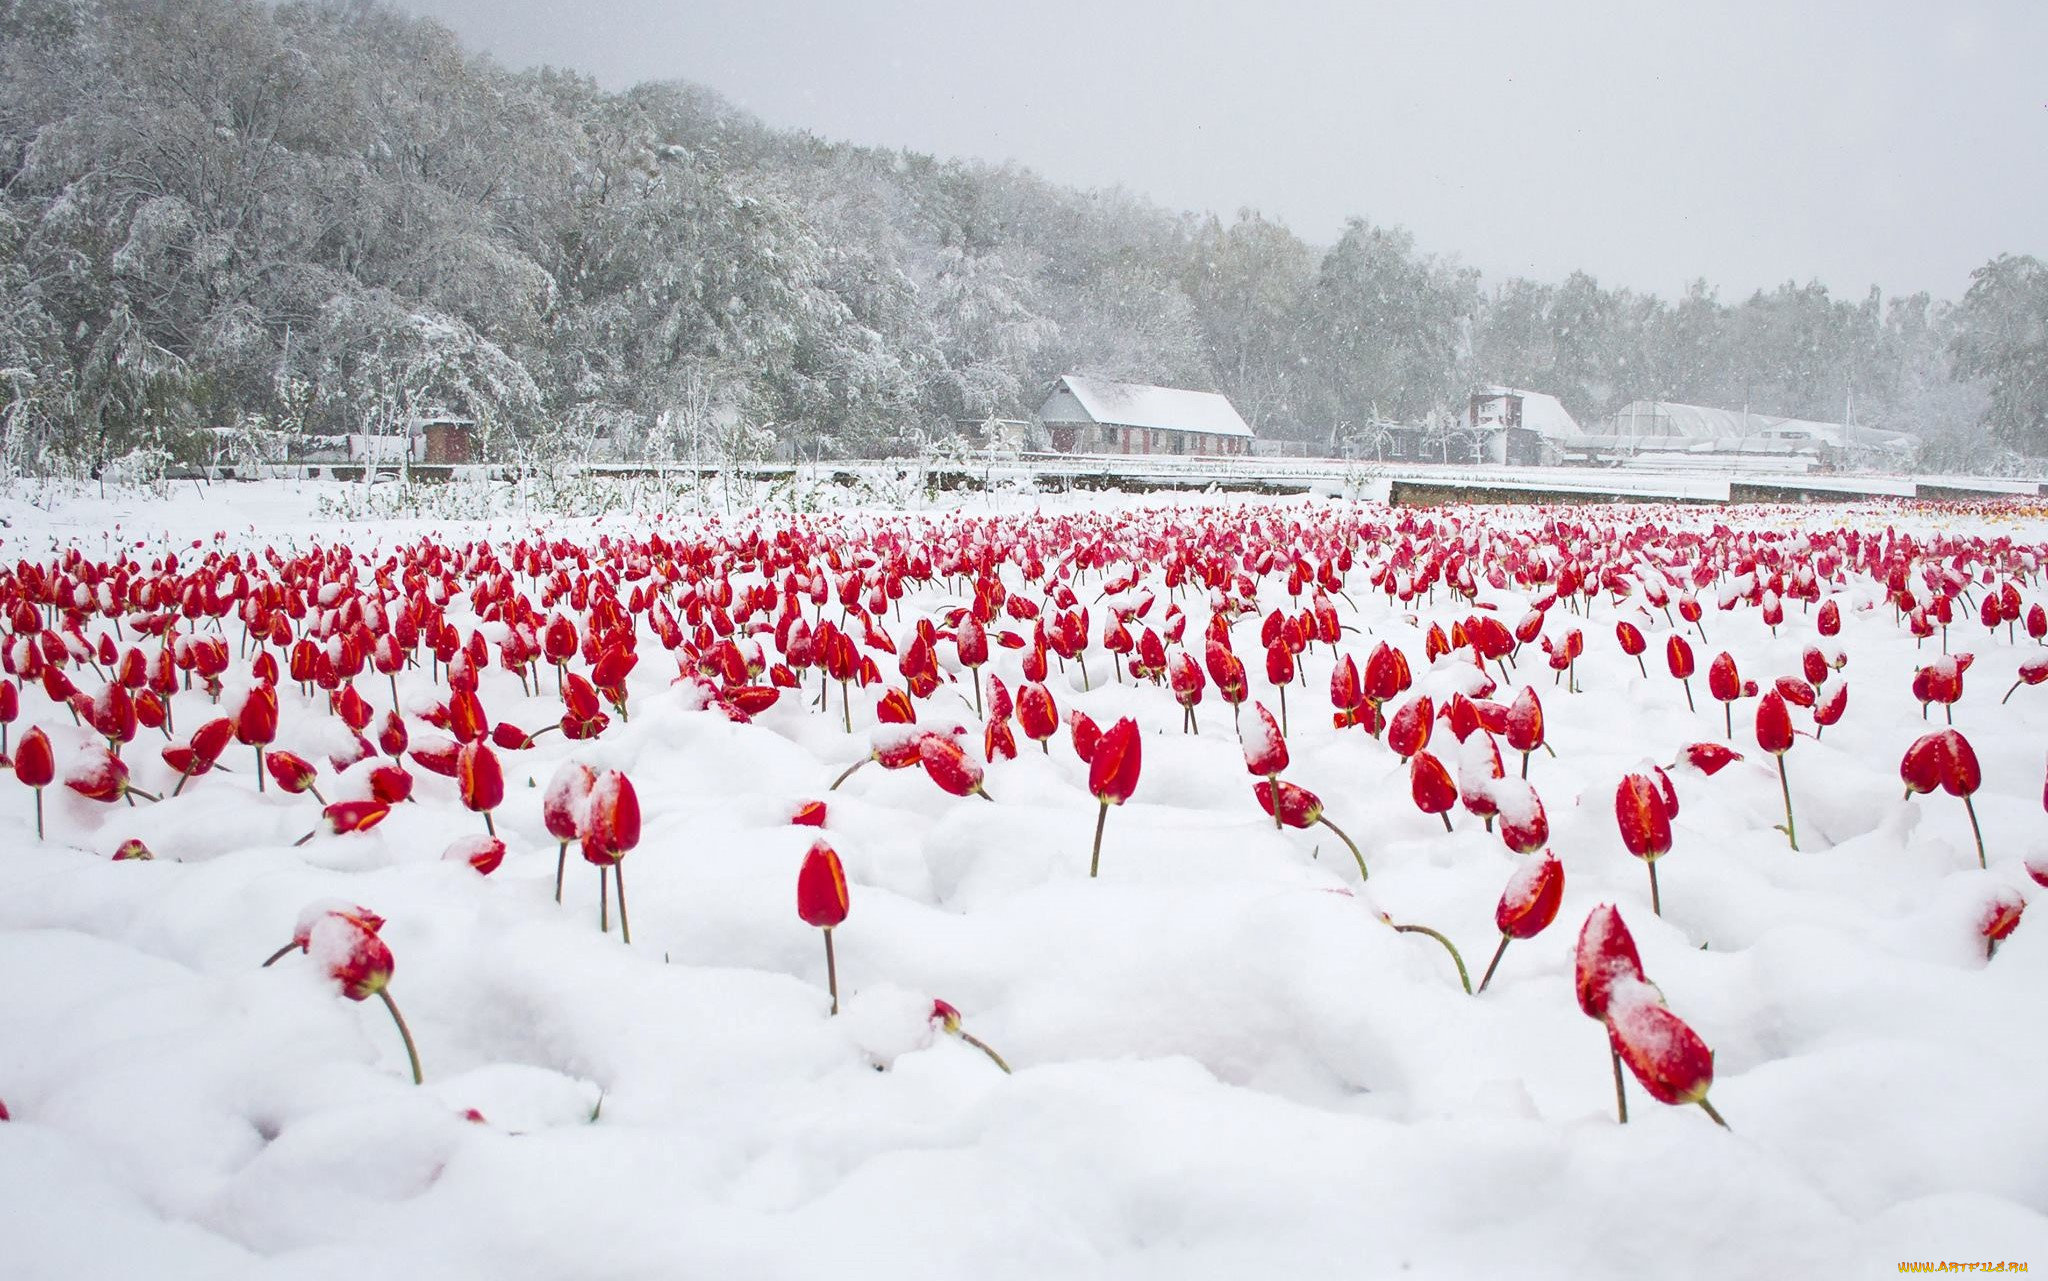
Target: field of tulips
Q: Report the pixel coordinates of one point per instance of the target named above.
(1218, 888)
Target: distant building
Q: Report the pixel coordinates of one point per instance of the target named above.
(1092, 416)
(1509, 425)
(1653, 429)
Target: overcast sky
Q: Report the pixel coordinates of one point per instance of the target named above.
(1859, 144)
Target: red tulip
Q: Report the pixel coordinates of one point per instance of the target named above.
(1921, 765)
(948, 1019)
(1524, 827)
(565, 809)
(948, 764)
(1829, 621)
(480, 781)
(2033, 671)
(256, 724)
(1265, 747)
(1678, 657)
(1606, 953)
(809, 814)
(390, 784)
(611, 828)
(1037, 714)
(294, 773)
(343, 817)
(484, 853)
(2001, 917)
(1430, 785)
(821, 901)
(1668, 1058)
(1113, 776)
(132, 850)
(1632, 644)
(1645, 823)
(1299, 807)
(1830, 707)
(360, 961)
(1725, 684)
(1184, 677)
(36, 765)
(1408, 729)
(1527, 906)
(1708, 758)
(1524, 727)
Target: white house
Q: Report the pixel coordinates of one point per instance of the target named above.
(1094, 416)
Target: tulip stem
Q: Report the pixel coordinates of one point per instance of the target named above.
(561, 866)
(1716, 1115)
(279, 954)
(1445, 815)
(39, 813)
(1353, 845)
(405, 1032)
(1463, 976)
(489, 827)
(1728, 719)
(619, 882)
(1656, 902)
(1639, 665)
(2008, 694)
(1975, 831)
(1785, 785)
(848, 772)
(604, 899)
(259, 767)
(1494, 964)
(1095, 859)
(1283, 724)
(1525, 764)
(1620, 1094)
(982, 1045)
(1689, 705)
(831, 970)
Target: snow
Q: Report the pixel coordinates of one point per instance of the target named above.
(1225, 1066)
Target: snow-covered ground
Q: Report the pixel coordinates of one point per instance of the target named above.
(1226, 1065)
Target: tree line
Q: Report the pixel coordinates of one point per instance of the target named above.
(316, 218)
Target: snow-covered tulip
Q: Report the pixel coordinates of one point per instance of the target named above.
(483, 853)
(1527, 906)
(1774, 735)
(949, 765)
(1946, 760)
(294, 774)
(1668, 1058)
(1184, 677)
(1524, 826)
(35, 764)
(1524, 727)
(1606, 955)
(2033, 671)
(2001, 917)
(132, 850)
(1037, 715)
(1113, 768)
(611, 830)
(1645, 822)
(1829, 707)
(1429, 784)
(821, 902)
(947, 1019)
(343, 817)
(480, 781)
(1708, 758)
(808, 814)
(360, 961)
(1409, 728)
(563, 808)
(1265, 746)
(1298, 807)
(99, 775)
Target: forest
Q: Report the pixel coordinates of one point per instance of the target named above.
(222, 220)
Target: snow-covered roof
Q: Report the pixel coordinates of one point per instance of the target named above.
(1093, 400)
(1542, 412)
(1674, 424)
